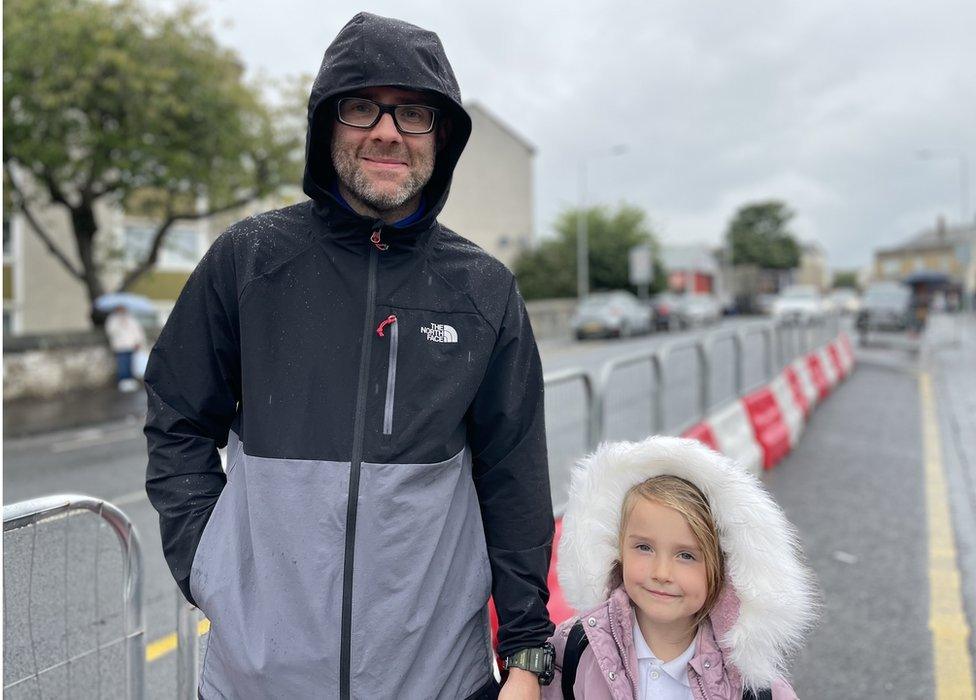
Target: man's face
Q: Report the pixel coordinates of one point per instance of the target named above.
(380, 167)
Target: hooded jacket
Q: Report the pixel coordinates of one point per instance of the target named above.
(762, 614)
(380, 394)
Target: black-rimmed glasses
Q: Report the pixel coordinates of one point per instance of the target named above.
(365, 114)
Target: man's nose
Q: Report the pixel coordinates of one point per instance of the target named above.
(385, 129)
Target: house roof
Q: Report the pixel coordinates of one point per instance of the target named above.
(935, 238)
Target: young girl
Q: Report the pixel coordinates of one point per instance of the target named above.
(688, 574)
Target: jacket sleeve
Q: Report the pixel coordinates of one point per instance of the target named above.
(193, 387)
(506, 431)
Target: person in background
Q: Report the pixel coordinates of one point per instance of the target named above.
(125, 337)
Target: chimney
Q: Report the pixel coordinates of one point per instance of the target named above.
(940, 227)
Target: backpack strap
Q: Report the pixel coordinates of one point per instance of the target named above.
(575, 645)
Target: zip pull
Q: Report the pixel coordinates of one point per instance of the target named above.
(383, 324)
(377, 241)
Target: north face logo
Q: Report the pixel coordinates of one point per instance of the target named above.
(440, 333)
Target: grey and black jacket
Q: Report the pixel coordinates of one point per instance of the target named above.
(381, 397)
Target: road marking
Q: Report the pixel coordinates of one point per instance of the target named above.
(165, 645)
(950, 630)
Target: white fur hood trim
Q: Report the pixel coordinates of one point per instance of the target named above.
(777, 595)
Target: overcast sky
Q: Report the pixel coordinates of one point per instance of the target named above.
(823, 104)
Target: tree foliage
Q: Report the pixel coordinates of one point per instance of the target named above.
(549, 271)
(107, 100)
(759, 234)
(845, 278)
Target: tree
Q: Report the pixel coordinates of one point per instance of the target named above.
(549, 271)
(845, 278)
(758, 234)
(109, 101)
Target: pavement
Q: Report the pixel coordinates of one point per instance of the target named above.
(99, 406)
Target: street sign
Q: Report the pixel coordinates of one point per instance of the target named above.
(641, 265)
(641, 260)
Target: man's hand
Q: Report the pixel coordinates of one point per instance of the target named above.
(521, 685)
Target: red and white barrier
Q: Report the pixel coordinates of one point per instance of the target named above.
(768, 426)
(830, 370)
(736, 437)
(817, 376)
(789, 400)
(810, 391)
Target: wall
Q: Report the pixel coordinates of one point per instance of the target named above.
(491, 194)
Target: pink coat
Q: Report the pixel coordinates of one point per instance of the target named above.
(608, 667)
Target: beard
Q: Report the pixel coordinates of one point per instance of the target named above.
(379, 195)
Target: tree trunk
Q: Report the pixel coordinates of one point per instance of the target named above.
(85, 229)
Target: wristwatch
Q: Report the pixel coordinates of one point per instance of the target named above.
(538, 660)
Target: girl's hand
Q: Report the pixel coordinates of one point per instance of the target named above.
(521, 685)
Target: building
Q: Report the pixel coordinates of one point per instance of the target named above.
(940, 251)
(491, 203)
(813, 268)
(491, 200)
(691, 268)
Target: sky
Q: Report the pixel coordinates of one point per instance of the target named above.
(824, 105)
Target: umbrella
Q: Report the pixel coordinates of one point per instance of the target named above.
(135, 303)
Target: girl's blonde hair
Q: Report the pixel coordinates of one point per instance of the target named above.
(687, 499)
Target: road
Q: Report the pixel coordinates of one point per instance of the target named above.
(852, 487)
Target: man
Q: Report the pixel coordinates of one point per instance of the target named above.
(378, 386)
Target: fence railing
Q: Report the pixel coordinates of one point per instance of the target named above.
(49, 509)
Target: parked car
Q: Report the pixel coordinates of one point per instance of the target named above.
(698, 310)
(665, 306)
(801, 302)
(764, 303)
(886, 306)
(845, 301)
(612, 314)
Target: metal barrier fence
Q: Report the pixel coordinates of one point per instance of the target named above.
(47, 511)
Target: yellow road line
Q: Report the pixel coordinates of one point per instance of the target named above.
(950, 630)
(163, 646)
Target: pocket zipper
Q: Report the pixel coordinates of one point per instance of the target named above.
(390, 321)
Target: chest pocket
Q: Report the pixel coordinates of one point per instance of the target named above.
(427, 367)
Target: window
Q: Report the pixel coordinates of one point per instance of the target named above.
(890, 267)
(181, 247)
(8, 322)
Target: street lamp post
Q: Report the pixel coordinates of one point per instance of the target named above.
(582, 235)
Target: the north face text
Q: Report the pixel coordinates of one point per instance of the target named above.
(440, 333)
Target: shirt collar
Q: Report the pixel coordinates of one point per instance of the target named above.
(402, 223)
(677, 668)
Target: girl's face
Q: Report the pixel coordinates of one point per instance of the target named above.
(663, 569)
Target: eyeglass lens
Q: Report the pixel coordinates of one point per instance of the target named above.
(362, 113)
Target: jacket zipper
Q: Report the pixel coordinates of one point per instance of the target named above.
(623, 653)
(390, 321)
(345, 630)
(701, 687)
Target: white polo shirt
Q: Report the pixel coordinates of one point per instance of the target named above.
(657, 680)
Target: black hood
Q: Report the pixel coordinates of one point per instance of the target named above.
(373, 51)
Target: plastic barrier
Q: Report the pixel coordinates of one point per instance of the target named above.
(839, 365)
(792, 377)
(768, 426)
(817, 376)
(733, 433)
(810, 391)
(789, 406)
(702, 433)
(831, 374)
(846, 352)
